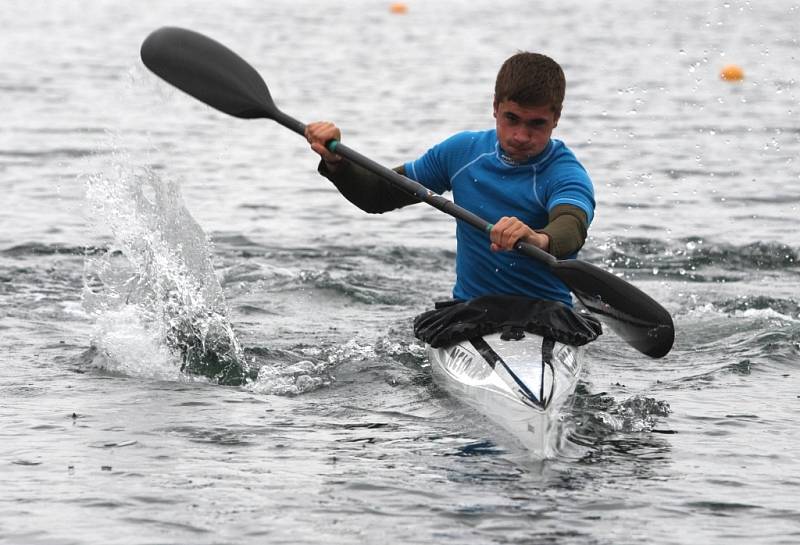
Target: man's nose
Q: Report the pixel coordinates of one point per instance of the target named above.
(521, 134)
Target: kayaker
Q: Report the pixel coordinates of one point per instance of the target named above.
(516, 176)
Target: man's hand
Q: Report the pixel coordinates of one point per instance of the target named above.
(318, 134)
(509, 230)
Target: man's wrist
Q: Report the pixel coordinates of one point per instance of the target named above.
(542, 240)
(332, 167)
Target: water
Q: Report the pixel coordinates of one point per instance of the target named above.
(132, 215)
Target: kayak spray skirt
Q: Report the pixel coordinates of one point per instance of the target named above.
(455, 321)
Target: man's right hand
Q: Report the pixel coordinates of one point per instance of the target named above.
(318, 134)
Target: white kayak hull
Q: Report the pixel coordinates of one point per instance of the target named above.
(521, 385)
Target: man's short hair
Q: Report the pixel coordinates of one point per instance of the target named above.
(531, 79)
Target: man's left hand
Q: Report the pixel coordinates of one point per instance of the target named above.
(509, 230)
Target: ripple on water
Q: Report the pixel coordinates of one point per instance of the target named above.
(361, 445)
(694, 259)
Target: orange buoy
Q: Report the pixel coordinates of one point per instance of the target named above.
(732, 72)
(398, 8)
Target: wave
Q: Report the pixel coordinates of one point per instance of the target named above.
(693, 259)
(371, 276)
(56, 153)
(743, 335)
(689, 259)
(328, 280)
(304, 368)
(234, 245)
(40, 249)
(777, 307)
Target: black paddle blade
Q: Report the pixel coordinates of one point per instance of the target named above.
(208, 71)
(631, 313)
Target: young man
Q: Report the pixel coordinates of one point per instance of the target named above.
(530, 186)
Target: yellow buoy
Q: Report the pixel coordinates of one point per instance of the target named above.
(398, 8)
(732, 72)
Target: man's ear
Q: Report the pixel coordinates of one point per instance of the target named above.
(495, 104)
(556, 117)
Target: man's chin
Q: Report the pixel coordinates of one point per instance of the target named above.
(519, 155)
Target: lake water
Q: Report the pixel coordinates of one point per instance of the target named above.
(130, 212)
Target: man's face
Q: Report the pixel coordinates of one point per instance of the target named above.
(523, 131)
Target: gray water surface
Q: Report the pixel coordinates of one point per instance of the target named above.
(130, 212)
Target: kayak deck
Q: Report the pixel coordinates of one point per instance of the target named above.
(521, 385)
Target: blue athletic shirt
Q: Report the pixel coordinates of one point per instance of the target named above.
(491, 185)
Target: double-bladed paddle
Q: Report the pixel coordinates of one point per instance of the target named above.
(214, 74)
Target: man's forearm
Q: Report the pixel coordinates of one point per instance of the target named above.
(567, 230)
(368, 191)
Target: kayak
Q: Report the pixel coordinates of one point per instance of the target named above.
(513, 359)
(521, 385)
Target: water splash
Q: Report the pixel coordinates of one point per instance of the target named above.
(635, 414)
(599, 416)
(154, 294)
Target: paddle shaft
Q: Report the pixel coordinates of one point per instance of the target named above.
(217, 76)
(411, 187)
(635, 316)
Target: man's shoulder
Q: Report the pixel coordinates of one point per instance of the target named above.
(562, 151)
(562, 157)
